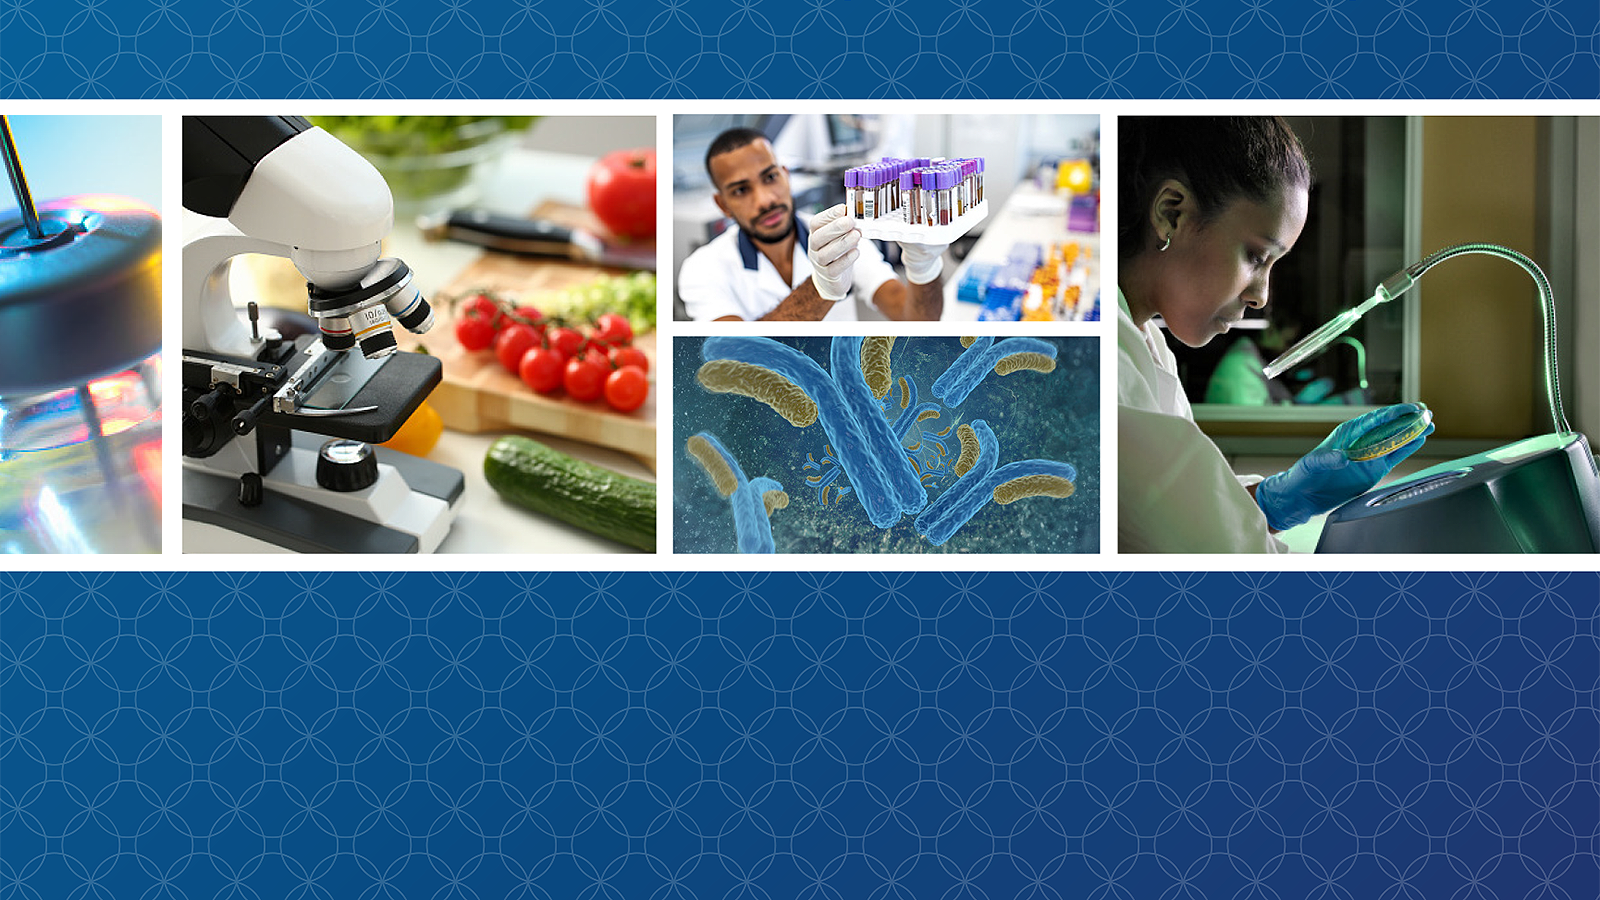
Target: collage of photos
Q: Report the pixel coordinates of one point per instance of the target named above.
(871, 333)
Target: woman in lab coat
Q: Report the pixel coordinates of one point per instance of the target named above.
(1207, 206)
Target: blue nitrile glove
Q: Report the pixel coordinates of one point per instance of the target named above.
(1325, 478)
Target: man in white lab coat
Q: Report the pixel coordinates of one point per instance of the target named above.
(780, 266)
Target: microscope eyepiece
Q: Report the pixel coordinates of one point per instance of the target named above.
(364, 315)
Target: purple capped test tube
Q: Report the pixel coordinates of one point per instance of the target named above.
(945, 180)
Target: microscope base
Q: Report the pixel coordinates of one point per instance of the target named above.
(409, 510)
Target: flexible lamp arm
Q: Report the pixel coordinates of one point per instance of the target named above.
(1403, 281)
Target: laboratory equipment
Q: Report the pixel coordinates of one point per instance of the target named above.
(1539, 495)
(80, 372)
(274, 429)
(1325, 335)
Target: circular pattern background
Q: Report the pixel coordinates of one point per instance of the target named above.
(811, 49)
(799, 735)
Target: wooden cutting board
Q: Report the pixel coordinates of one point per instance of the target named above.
(479, 395)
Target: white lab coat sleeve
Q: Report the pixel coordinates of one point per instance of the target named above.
(706, 288)
(1176, 492)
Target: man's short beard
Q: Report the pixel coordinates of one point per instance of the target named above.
(759, 238)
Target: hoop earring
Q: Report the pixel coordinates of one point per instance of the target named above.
(1168, 243)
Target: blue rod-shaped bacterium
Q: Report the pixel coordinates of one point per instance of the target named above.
(958, 369)
(748, 497)
(858, 439)
(978, 360)
(938, 522)
(884, 454)
(984, 482)
(752, 514)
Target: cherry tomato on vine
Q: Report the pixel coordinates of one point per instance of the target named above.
(541, 369)
(564, 341)
(583, 379)
(626, 388)
(629, 356)
(532, 316)
(483, 307)
(613, 328)
(474, 332)
(512, 343)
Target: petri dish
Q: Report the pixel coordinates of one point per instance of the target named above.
(1390, 436)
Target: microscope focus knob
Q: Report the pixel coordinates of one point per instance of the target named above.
(345, 465)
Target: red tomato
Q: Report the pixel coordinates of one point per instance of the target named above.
(474, 333)
(483, 307)
(630, 356)
(531, 315)
(613, 328)
(512, 343)
(541, 369)
(564, 341)
(622, 192)
(583, 379)
(626, 388)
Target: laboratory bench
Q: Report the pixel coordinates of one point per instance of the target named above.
(1031, 214)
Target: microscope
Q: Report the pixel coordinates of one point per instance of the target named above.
(278, 432)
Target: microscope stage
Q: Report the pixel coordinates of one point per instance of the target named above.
(396, 389)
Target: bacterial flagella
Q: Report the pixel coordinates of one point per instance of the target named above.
(1044, 416)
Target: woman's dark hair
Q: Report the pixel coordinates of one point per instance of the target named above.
(1220, 158)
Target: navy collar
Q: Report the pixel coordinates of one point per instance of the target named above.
(747, 248)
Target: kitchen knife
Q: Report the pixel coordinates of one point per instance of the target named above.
(532, 237)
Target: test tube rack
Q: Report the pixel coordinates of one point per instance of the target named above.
(891, 200)
(894, 227)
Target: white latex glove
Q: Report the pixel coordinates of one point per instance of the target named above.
(923, 262)
(833, 253)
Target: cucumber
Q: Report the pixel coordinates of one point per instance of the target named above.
(529, 474)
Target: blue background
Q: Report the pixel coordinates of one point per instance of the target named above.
(812, 735)
(799, 735)
(802, 48)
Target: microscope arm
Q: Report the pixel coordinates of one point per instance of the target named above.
(210, 322)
